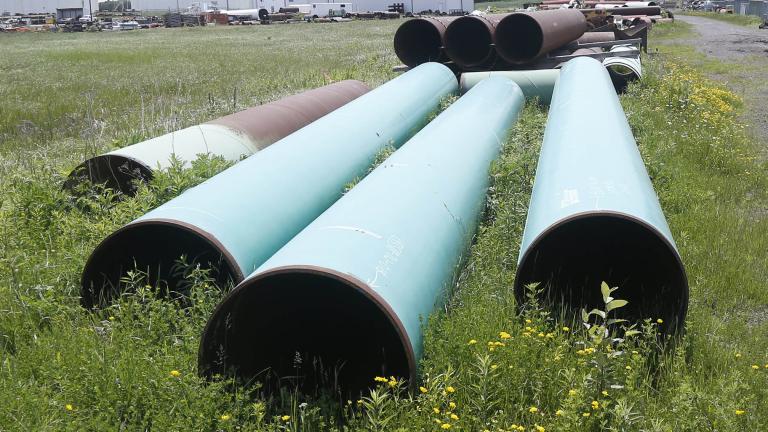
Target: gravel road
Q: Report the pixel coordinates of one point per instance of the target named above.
(741, 45)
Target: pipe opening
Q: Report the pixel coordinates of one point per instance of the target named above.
(154, 247)
(519, 38)
(573, 257)
(621, 75)
(418, 41)
(308, 327)
(468, 42)
(119, 173)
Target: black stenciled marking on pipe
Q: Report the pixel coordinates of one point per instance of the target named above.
(319, 326)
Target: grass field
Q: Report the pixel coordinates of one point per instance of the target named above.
(133, 366)
(744, 20)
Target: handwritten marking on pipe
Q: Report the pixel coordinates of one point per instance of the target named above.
(356, 229)
(393, 249)
(569, 198)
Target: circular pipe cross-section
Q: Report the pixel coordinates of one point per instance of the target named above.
(420, 40)
(469, 40)
(311, 323)
(571, 258)
(524, 36)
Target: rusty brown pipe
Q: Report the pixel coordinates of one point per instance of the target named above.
(469, 40)
(420, 40)
(230, 137)
(647, 10)
(524, 36)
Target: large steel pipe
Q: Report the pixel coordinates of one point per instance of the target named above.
(522, 37)
(534, 83)
(420, 40)
(231, 137)
(649, 10)
(469, 40)
(594, 215)
(623, 70)
(236, 220)
(591, 37)
(353, 290)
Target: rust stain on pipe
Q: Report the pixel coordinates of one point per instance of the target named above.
(523, 37)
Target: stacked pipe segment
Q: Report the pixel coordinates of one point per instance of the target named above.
(623, 70)
(420, 40)
(357, 285)
(522, 37)
(469, 40)
(534, 83)
(594, 215)
(240, 217)
(231, 137)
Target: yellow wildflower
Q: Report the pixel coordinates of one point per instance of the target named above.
(566, 328)
(738, 355)
(445, 426)
(660, 321)
(423, 389)
(452, 405)
(595, 405)
(505, 335)
(285, 418)
(628, 367)
(471, 342)
(528, 321)
(740, 412)
(450, 389)
(559, 412)
(392, 383)
(755, 367)
(438, 421)
(604, 393)
(533, 410)
(520, 428)
(380, 379)
(225, 417)
(111, 318)
(540, 429)
(69, 407)
(436, 410)
(454, 417)
(174, 373)
(586, 414)
(359, 401)
(571, 392)
(493, 366)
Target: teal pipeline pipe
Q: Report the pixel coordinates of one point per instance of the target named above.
(236, 220)
(594, 215)
(353, 290)
(231, 137)
(534, 83)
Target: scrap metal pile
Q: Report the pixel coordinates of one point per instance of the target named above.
(534, 40)
(346, 279)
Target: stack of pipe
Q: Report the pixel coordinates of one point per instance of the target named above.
(236, 220)
(351, 291)
(231, 137)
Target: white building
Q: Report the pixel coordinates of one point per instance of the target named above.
(46, 6)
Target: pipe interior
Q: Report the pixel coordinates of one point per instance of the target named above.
(342, 338)
(621, 76)
(116, 172)
(154, 248)
(468, 41)
(519, 38)
(418, 41)
(571, 260)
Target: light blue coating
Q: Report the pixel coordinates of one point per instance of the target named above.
(253, 208)
(586, 166)
(256, 206)
(404, 228)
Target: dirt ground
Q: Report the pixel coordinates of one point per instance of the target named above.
(745, 46)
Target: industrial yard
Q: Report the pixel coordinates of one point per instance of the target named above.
(92, 337)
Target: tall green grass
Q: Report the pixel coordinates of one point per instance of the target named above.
(486, 367)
